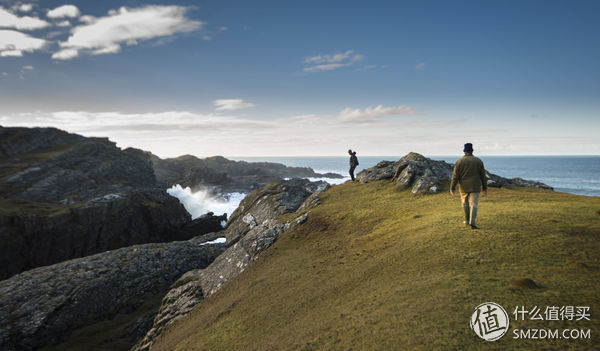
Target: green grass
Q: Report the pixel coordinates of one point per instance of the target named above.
(377, 268)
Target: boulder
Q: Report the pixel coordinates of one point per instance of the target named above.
(424, 175)
(382, 170)
(42, 306)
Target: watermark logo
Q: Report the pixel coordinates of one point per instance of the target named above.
(489, 321)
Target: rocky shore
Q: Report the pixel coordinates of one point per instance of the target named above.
(424, 175)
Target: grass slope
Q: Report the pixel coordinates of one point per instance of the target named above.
(376, 268)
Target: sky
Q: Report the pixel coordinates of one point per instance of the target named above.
(307, 78)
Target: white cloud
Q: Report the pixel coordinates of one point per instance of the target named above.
(64, 23)
(25, 7)
(105, 35)
(63, 11)
(372, 113)
(65, 54)
(24, 70)
(231, 104)
(13, 43)
(331, 61)
(10, 20)
(325, 67)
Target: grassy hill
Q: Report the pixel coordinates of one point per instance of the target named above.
(377, 268)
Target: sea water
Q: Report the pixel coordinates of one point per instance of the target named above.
(570, 174)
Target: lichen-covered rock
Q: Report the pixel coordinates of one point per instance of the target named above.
(267, 203)
(255, 228)
(382, 170)
(424, 175)
(42, 306)
(421, 174)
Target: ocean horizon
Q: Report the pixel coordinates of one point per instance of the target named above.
(576, 174)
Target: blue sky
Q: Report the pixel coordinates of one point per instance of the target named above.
(278, 78)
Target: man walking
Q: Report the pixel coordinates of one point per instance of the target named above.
(353, 163)
(469, 173)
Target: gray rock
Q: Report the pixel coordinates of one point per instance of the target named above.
(382, 170)
(41, 306)
(424, 175)
(64, 196)
(226, 176)
(265, 206)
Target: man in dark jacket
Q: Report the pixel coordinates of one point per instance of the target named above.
(353, 163)
(469, 173)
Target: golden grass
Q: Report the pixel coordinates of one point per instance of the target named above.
(377, 268)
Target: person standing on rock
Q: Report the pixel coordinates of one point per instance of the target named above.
(353, 163)
(469, 173)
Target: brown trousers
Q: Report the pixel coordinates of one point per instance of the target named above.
(469, 202)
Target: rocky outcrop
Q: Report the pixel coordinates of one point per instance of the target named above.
(42, 306)
(424, 175)
(252, 228)
(226, 176)
(65, 196)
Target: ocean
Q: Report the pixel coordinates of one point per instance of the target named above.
(570, 174)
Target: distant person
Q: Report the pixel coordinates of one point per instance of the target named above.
(353, 163)
(469, 173)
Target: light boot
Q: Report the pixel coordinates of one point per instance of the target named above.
(473, 217)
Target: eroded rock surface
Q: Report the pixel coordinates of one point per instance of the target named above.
(43, 305)
(226, 176)
(64, 196)
(252, 228)
(424, 175)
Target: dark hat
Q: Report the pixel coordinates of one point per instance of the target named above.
(468, 147)
(349, 151)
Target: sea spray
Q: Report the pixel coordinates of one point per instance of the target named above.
(202, 201)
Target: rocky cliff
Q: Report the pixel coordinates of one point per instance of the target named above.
(226, 176)
(43, 306)
(252, 228)
(64, 196)
(424, 175)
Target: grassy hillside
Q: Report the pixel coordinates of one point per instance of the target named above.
(376, 268)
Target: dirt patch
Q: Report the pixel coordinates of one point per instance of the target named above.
(523, 283)
(579, 265)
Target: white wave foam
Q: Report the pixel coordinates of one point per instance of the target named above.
(216, 241)
(331, 181)
(201, 202)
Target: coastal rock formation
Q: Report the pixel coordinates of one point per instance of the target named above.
(226, 176)
(42, 306)
(424, 175)
(252, 228)
(65, 196)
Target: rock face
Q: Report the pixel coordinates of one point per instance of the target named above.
(252, 228)
(424, 175)
(64, 196)
(226, 176)
(41, 306)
